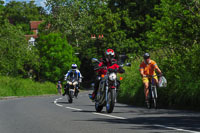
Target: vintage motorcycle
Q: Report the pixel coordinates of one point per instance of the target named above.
(107, 90)
(73, 89)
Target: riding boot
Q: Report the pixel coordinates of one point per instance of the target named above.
(64, 93)
(93, 95)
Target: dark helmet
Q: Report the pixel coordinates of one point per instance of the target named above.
(74, 66)
(146, 56)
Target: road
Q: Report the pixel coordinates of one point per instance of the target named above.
(53, 114)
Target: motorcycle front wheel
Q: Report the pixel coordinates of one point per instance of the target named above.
(98, 107)
(110, 103)
(70, 99)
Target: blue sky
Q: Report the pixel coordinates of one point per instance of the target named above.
(37, 2)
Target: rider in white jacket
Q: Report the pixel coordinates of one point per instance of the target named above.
(74, 72)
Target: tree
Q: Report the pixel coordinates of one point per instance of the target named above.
(70, 18)
(56, 56)
(1, 11)
(21, 13)
(16, 57)
(178, 24)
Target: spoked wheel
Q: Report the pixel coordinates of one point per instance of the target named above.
(155, 103)
(154, 97)
(110, 103)
(148, 103)
(149, 99)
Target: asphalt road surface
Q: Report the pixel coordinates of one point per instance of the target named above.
(53, 114)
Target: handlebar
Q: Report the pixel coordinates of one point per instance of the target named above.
(150, 76)
(103, 67)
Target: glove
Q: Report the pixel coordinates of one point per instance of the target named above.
(121, 70)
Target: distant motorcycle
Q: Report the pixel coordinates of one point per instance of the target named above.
(73, 89)
(107, 90)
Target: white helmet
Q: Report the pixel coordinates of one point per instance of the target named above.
(74, 66)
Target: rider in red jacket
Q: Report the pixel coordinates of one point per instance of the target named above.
(109, 62)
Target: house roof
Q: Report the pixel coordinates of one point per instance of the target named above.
(29, 36)
(34, 24)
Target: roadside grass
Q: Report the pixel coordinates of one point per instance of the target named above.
(10, 86)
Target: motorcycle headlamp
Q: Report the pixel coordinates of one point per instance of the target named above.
(70, 83)
(112, 76)
(75, 83)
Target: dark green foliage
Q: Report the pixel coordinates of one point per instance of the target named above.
(16, 58)
(184, 70)
(21, 13)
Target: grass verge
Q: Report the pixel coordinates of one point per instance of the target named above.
(24, 87)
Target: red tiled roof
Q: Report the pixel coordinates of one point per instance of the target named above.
(34, 24)
(29, 36)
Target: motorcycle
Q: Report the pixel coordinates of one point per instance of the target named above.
(73, 89)
(107, 90)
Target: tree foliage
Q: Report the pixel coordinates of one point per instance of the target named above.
(16, 56)
(21, 13)
(56, 56)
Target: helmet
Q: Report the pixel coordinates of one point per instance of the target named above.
(59, 82)
(146, 56)
(109, 53)
(74, 66)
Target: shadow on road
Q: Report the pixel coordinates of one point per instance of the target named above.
(183, 122)
(64, 103)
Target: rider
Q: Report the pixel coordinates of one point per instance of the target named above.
(109, 62)
(70, 74)
(147, 68)
(59, 87)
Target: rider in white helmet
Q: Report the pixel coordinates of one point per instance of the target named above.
(71, 73)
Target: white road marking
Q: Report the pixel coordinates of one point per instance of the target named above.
(178, 129)
(55, 102)
(73, 108)
(173, 128)
(59, 105)
(110, 116)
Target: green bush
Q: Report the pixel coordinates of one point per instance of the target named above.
(131, 89)
(24, 87)
(182, 72)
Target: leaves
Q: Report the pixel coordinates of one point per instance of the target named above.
(56, 56)
(16, 55)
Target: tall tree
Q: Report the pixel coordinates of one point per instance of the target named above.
(56, 56)
(1, 11)
(16, 57)
(178, 25)
(71, 18)
(21, 13)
